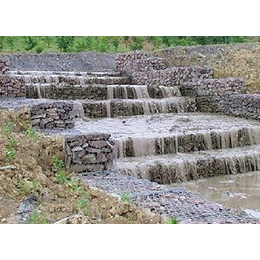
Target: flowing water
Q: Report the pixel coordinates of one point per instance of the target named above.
(241, 190)
(167, 133)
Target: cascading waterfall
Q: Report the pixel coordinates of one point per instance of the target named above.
(38, 87)
(78, 109)
(168, 92)
(108, 107)
(191, 167)
(150, 146)
(254, 135)
(143, 146)
(110, 92)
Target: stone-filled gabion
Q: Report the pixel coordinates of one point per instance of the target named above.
(11, 87)
(4, 66)
(129, 63)
(214, 87)
(52, 91)
(51, 115)
(175, 76)
(153, 71)
(89, 153)
(247, 106)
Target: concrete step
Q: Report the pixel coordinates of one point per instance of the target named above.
(98, 92)
(131, 107)
(184, 167)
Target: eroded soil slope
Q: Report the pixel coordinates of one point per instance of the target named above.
(35, 187)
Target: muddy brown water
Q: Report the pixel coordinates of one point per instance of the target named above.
(234, 191)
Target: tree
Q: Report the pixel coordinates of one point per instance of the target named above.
(115, 42)
(138, 43)
(103, 43)
(167, 40)
(156, 41)
(47, 40)
(126, 40)
(30, 42)
(1, 43)
(89, 42)
(65, 43)
(10, 42)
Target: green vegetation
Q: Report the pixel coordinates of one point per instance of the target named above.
(125, 196)
(173, 220)
(6, 130)
(26, 186)
(11, 149)
(37, 218)
(83, 203)
(61, 175)
(38, 44)
(32, 133)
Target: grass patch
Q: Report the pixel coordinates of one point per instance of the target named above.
(26, 186)
(173, 220)
(126, 196)
(37, 218)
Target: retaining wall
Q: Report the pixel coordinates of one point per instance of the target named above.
(11, 87)
(138, 61)
(212, 87)
(88, 153)
(235, 60)
(240, 105)
(152, 71)
(4, 66)
(51, 115)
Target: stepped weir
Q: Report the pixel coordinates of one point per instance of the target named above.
(149, 123)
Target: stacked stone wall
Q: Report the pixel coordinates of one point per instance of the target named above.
(152, 71)
(89, 153)
(11, 87)
(129, 63)
(4, 66)
(53, 91)
(51, 115)
(177, 76)
(214, 87)
(235, 60)
(240, 105)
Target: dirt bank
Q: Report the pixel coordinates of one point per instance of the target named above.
(35, 188)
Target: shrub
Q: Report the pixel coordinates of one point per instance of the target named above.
(30, 42)
(39, 49)
(61, 177)
(82, 204)
(10, 42)
(138, 43)
(173, 220)
(65, 43)
(1, 42)
(115, 42)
